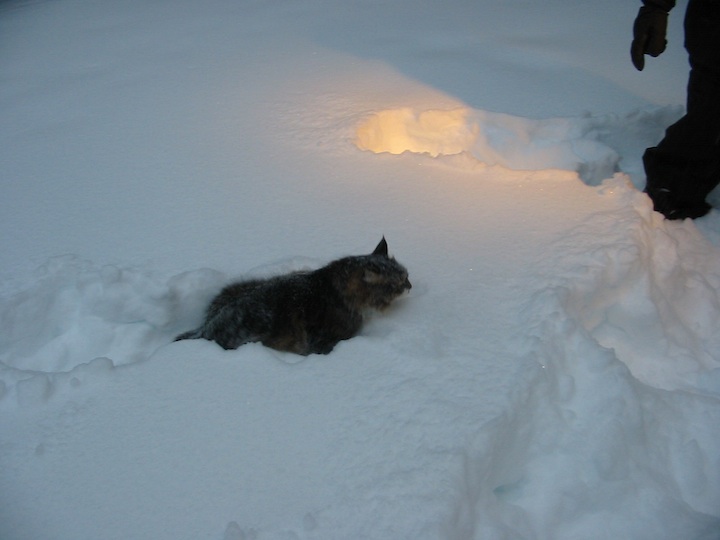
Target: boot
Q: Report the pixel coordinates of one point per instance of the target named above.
(673, 196)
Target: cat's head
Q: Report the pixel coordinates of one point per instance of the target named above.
(374, 280)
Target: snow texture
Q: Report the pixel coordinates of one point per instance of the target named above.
(554, 373)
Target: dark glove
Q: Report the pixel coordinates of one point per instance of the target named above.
(649, 32)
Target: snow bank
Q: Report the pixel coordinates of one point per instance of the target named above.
(618, 358)
(590, 146)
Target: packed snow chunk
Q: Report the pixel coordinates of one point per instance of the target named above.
(433, 132)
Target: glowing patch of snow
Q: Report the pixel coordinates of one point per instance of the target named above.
(431, 132)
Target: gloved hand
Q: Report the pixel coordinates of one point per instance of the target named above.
(649, 33)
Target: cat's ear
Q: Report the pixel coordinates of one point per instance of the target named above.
(381, 248)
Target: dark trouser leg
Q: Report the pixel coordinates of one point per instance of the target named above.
(685, 166)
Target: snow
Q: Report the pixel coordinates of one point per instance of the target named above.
(553, 373)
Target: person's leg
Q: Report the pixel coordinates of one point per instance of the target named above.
(685, 166)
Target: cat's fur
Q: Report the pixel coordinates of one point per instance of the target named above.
(304, 312)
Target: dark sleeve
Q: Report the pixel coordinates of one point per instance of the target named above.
(665, 5)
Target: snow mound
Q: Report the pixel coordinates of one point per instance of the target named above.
(589, 145)
(77, 312)
(617, 353)
(650, 294)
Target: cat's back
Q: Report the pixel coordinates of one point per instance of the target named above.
(268, 291)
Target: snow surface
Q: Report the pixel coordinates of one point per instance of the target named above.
(553, 374)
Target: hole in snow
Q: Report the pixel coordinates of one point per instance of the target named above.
(433, 132)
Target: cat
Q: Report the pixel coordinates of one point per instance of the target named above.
(304, 312)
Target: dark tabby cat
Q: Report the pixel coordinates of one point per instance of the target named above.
(304, 312)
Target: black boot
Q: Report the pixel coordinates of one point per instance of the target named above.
(673, 194)
(665, 203)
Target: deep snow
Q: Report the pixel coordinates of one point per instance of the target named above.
(553, 374)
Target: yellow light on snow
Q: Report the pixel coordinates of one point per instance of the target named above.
(434, 132)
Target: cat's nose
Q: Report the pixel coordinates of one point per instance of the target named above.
(408, 285)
